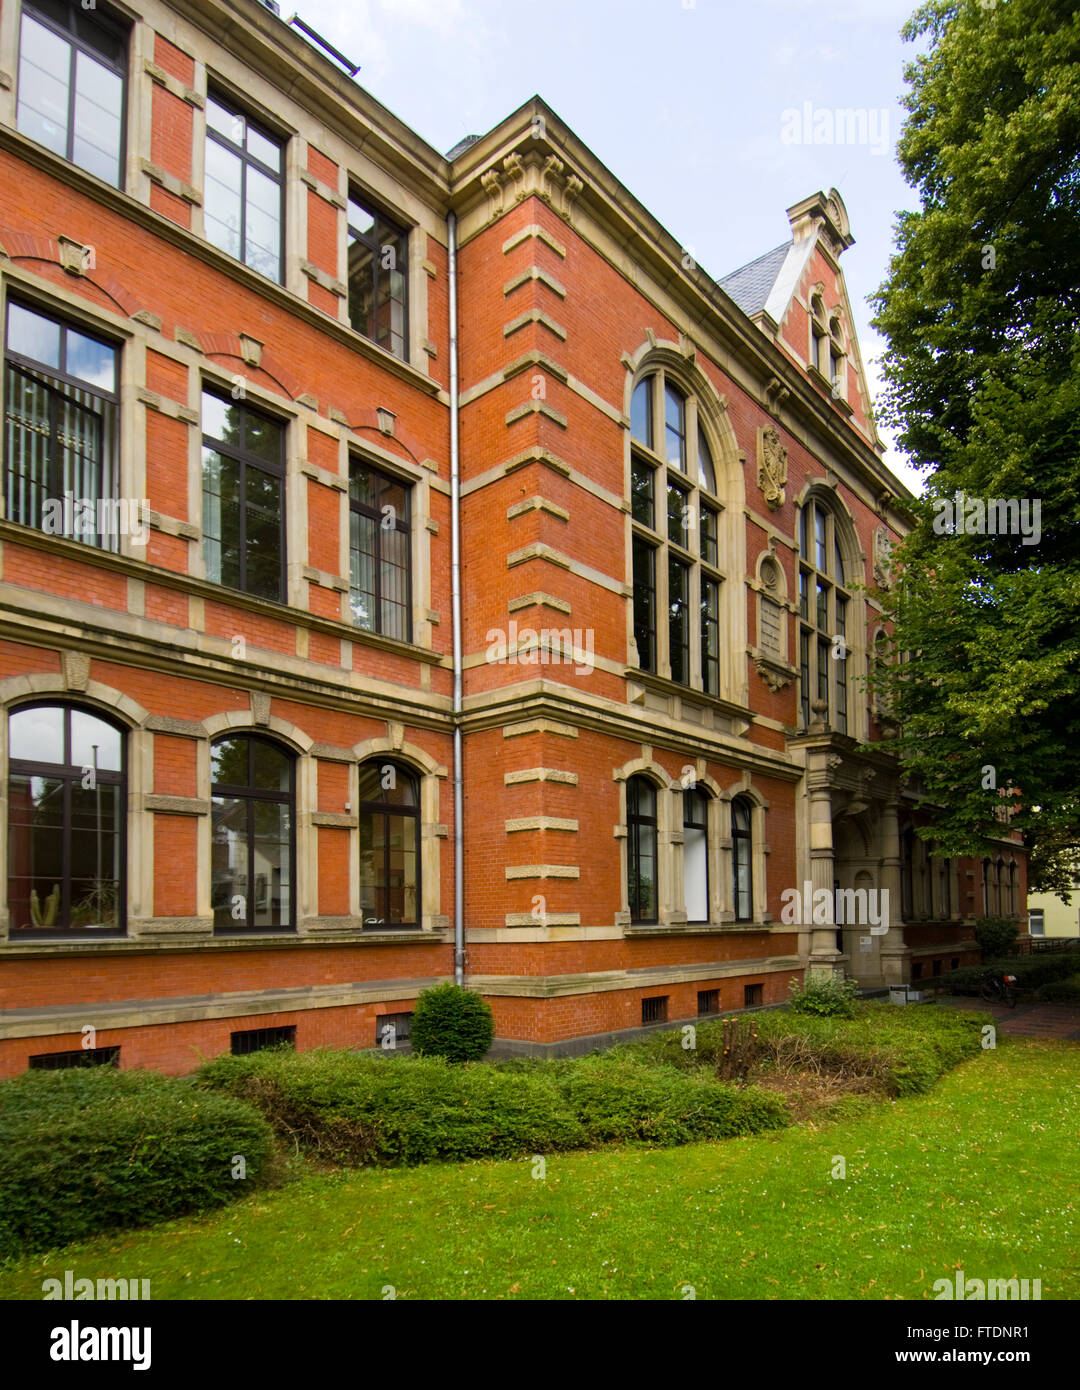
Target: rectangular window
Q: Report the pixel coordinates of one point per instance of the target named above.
(677, 516)
(72, 69)
(804, 677)
(243, 463)
(243, 196)
(708, 1002)
(710, 636)
(645, 604)
(259, 1039)
(60, 428)
(391, 1030)
(679, 620)
(380, 568)
(654, 1010)
(1036, 921)
(753, 995)
(378, 260)
(81, 1057)
(710, 552)
(642, 505)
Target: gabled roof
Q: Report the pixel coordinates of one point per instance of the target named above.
(751, 285)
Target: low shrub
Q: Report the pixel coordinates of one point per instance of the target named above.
(93, 1149)
(1032, 972)
(891, 1050)
(1060, 991)
(356, 1108)
(452, 1022)
(825, 996)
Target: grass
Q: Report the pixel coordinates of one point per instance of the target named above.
(974, 1174)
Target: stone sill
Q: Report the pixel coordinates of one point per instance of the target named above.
(140, 945)
(710, 929)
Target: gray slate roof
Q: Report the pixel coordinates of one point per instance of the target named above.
(749, 286)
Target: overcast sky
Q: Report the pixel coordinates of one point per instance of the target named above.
(687, 102)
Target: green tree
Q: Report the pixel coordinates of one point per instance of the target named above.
(982, 383)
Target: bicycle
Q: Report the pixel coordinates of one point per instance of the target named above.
(998, 989)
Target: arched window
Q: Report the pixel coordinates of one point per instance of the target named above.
(836, 356)
(641, 856)
(742, 860)
(676, 552)
(67, 803)
(253, 859)
(696, 855)
(824, 605)
(389, 846)
(986, 887)
(1012, 888)
(819, 335)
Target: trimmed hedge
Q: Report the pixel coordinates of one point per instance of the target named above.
(1060, 991)
(1031, 972)
(359, 1108)
(93, 1149)
(905, 1050)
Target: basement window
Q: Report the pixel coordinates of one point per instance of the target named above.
(259, 1039)
(654, 1010)
(708, 1002)
(753, 995)
(391, 1030)
(81, 1057)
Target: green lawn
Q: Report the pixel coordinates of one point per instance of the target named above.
(979, 1174)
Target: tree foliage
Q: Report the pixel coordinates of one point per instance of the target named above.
(982, 383)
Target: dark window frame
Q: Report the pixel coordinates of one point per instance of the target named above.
(742, 844)
(823, 615)
(636, 821)
(260, 1039)
(246, 459)
(374, 243)
(57, 381)
(645, 622)
(250, 794)
(77, 1057)
(403, 526)
(239, 111)
(110, 24)
(70, 773)
(388, 810)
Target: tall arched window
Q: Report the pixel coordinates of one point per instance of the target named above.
(676, 529)
(67, 802)
(742, 847)
(389, 846)
(253, 860)
(696, 855)
(641, 856)
(823, 611)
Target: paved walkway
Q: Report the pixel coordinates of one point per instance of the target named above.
(1026, 1020)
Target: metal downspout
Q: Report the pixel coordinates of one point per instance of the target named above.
(455, 605)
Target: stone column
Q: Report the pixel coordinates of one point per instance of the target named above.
(824, 959)
(895, 955)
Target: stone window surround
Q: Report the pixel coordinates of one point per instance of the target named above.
(140, 729)
(707, 409)
(279, 113)
(827, 495)
(671, 900)
(134, 339)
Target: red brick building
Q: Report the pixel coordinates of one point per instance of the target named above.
(280, 383)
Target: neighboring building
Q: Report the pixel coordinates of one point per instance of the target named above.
(1048, 916)
(228, 715)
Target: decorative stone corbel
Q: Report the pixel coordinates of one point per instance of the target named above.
(772, 467)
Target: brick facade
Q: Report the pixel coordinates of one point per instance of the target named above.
(570, 295)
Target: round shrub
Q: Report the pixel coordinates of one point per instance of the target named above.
(452, 1022)
(996, 935)
(94, 1149)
